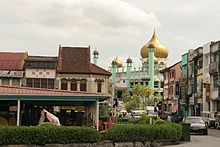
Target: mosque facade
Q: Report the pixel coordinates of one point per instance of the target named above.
(153, 59)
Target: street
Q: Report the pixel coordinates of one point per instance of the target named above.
(212, 140)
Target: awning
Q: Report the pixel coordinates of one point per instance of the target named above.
(175, 108)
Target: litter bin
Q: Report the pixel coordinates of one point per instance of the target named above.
(185, 131)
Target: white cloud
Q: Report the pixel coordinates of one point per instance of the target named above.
(113, 26)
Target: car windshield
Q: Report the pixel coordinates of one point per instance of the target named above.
(194, 120)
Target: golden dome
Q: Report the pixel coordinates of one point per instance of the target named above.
(117, 62)
(160, 51)
(156, 60)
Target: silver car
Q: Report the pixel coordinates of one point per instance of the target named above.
(197, 125)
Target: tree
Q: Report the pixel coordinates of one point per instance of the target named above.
(138, 92)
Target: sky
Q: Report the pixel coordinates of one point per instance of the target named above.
(113, 27)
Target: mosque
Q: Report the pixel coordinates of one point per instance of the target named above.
(153, 59)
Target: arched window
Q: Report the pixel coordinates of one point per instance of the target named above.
(83, 85)
(99, 86)
(74, 85)
(63, 84)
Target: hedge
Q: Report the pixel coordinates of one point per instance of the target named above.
(48, 134)
(41, 135)
(144, 132)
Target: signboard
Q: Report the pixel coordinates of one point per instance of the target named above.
(13, 108)
(207, 87)
(8, 73)
(40, 73)
(75, 108)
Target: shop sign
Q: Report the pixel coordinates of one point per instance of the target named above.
(75, 108)
(207, 86)
(8, 73)
(13, 108)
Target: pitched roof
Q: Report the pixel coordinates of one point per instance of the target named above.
(98, 70)
(12, 60)
(77, 60)
(73, 59)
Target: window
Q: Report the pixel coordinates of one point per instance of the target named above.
(63, 84)
(5, 81)
(215, 57)
(74, 85)
(41, 64)
(43, 83)
(29, 82)
(83, 85)
(200, 64)
(15, 82)
(99, 86)
(50, 83)
(37, 83)
(215, 80)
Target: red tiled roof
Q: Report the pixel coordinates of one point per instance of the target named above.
(12, 61)
(28, 91)
(77, 60)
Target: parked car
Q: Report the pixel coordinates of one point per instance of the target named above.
(209, 118)
(217, 121)
(197, 125)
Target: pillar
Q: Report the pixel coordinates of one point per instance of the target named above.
(97, 115)
(151, 65)
(18, 112)
(129, 66)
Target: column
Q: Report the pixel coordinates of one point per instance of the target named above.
(151, 65)
(97, 115)
(18, 112)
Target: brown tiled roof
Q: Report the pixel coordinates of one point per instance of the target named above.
(29, 91)
(98, 70)
(12, 61)
(77, 60)
(73, 59)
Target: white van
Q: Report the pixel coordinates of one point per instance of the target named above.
(137, 113)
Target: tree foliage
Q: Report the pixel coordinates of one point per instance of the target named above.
(133, 101)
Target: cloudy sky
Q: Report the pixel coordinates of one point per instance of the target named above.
(114, 27)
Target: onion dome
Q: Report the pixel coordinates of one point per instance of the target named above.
(156, 60)
(95, 53)
(114, 63)
(160, 51)
(129, 60)
(118, 62)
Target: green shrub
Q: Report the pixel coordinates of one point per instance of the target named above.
(168, 131)
(47, 135)
(129, 133)
(143, 132)
(159, 121)
(122, 120)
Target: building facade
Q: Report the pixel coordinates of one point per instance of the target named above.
(171, 87)
(69, 86)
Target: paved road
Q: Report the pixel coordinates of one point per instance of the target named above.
(212, 140)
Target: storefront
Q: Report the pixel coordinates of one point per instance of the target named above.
(23, 106)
